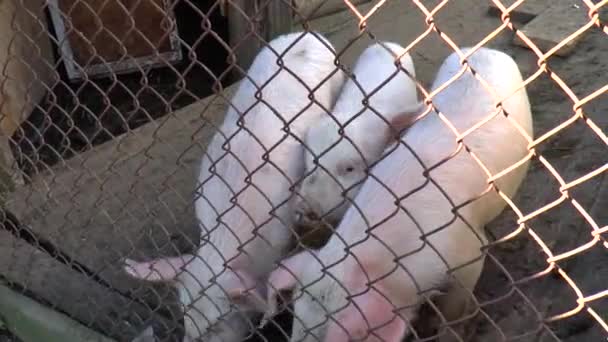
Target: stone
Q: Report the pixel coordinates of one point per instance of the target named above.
(524, 12)
(554, 25)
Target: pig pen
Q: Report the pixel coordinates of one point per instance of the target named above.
(132, 196)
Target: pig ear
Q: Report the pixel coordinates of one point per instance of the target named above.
(379, 324)
(402, 120)
(163, 269)
(285, 278)
(245, 291)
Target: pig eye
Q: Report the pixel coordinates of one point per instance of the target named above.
(346, 169)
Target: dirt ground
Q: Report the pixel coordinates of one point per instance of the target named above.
(155, 184)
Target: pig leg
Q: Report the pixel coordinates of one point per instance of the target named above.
(455, 304)
(372, 311)
(458, 302)
(162, 269)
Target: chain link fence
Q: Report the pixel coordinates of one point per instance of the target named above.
(108, 108)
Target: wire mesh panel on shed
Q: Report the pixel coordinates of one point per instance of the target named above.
(111, 163)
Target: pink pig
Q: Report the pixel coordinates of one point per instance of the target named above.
(242, 206)
(396, 243)
(344, 160)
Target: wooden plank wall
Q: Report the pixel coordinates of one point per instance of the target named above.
(26, 71)
(252, 23)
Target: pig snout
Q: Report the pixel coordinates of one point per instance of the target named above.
(304, 213)
(313, 231)
(318, 200)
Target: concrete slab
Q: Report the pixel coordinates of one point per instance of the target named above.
(126, 198)
(554, 25)
(522, 13)
(69, 292)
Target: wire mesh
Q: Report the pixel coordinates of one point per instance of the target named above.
(108, 108)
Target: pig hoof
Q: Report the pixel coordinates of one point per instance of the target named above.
(129, 267)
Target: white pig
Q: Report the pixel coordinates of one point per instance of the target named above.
(378, 262)
(344, 161)
(245, 181)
